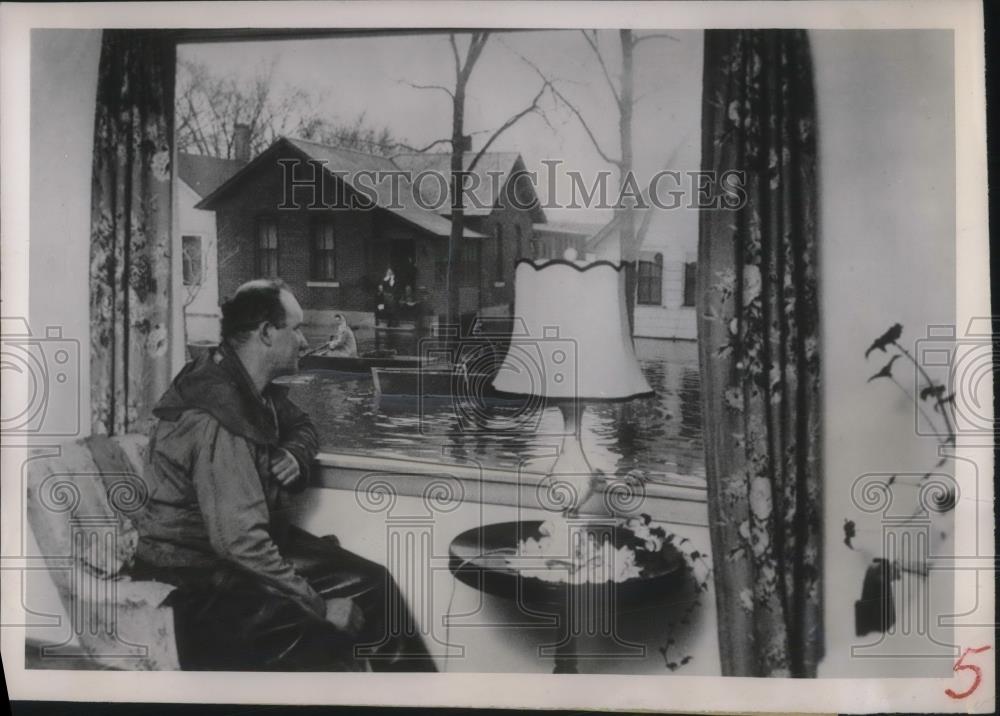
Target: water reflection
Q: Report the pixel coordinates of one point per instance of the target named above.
(659, 434)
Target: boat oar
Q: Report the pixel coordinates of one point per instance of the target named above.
(312, 351)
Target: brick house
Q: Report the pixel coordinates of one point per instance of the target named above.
(496, 207)
(314, 216)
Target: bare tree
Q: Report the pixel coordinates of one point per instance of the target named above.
(197, 257)
(460, 142)
(209, 106)
(357, 134)
(623, 94)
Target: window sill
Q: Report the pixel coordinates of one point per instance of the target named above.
(667, 497)
(322, 284)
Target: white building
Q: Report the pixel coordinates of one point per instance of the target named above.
(666, 279)
(667, 265)
(198, 176)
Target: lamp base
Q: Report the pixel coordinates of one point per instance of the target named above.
(571, 471)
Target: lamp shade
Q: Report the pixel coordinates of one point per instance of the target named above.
(571, 338)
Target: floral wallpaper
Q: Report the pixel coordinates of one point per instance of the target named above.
(758, 330)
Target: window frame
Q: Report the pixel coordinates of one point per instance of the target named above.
(318, 256)
(649, 286)
(498, 234)
(259, 251)
(690, 289)
(185, 254)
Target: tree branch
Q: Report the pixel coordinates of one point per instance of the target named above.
(586, 128)
(533, 107)
(454, 54)
(579, 115)
(427, 87)
(654, 36)
(592, 41)
(476, 46)
(420, 150)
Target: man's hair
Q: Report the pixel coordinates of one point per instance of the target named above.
(253, 303)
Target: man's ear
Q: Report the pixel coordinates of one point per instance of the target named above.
(264, 331)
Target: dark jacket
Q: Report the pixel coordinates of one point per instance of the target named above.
(212, 496)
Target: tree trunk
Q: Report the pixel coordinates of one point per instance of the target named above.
(629, 249)
(453, 317)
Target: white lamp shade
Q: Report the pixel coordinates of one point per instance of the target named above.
(571, 337)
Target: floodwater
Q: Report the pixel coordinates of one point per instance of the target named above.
(660, 434)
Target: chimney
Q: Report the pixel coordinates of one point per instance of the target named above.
(241, 142)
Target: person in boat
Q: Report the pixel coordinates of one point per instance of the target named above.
(342, 343)
(253, 592)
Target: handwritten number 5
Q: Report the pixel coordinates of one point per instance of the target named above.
(961, 666)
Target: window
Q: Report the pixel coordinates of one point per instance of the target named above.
(267, 247)
(324, 252)
(191, 259)
(500, 256)
(650, 280)
(690, 283)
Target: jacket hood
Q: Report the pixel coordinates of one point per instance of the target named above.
(218, 384)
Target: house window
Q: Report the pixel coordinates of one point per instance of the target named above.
(500, 252)
(267, 247)
(690, 282)
(650, 281)
(324, 252)
(470, 263)
(191, 258)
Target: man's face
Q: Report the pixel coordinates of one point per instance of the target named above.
(287, 342)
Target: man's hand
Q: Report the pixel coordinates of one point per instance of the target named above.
(344, 614)
(284, 467)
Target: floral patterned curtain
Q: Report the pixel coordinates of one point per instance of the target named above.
(130, 235)
(758, 330)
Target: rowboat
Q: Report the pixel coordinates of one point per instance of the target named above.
(359, 364)
(433, 382)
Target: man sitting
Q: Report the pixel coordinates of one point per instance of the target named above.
(253, 592)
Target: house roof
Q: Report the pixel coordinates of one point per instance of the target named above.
(206, 174)
(666, 222)
(492, 171)
(575, 228)
(345, 165)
